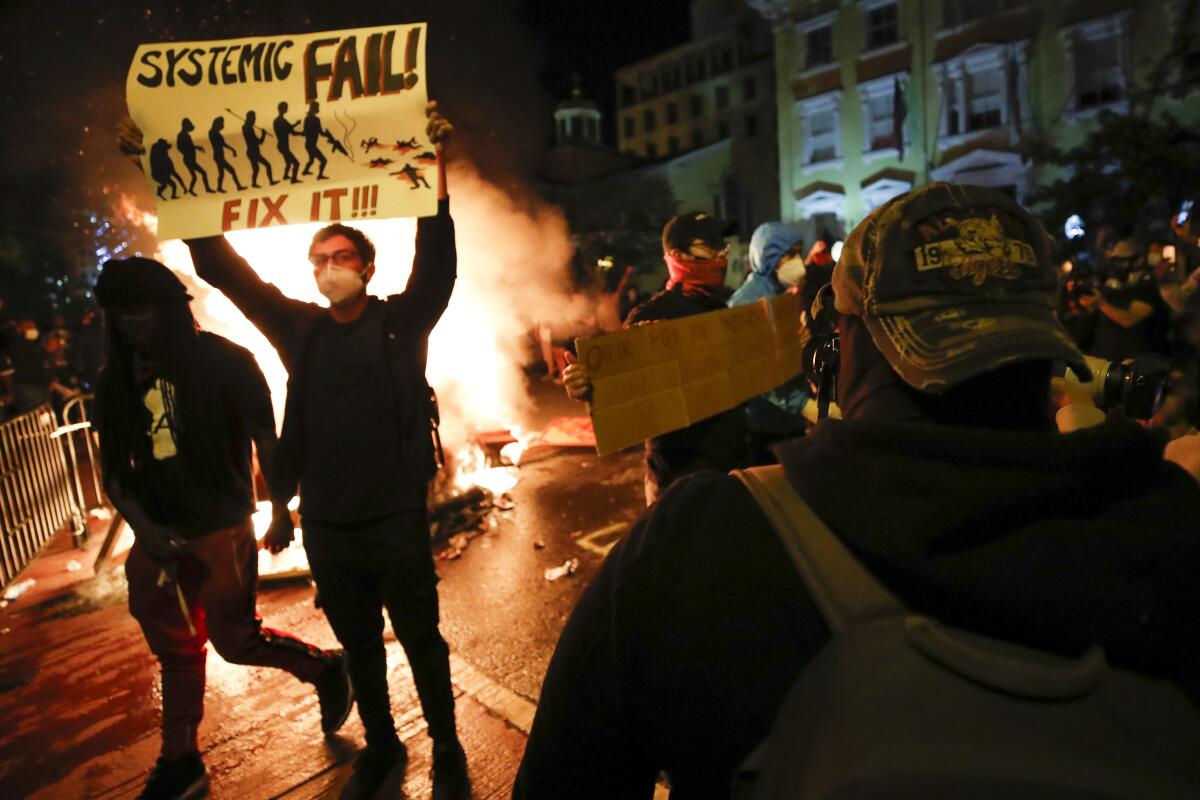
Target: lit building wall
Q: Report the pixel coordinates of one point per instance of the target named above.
(974, 79)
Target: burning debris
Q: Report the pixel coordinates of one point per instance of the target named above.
(568, 568)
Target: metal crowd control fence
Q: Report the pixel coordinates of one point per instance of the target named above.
(40, 486)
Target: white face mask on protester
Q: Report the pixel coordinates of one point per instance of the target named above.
(31, 334)
(791, 271)
(339, 285)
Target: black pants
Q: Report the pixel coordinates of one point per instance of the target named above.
(362, 568)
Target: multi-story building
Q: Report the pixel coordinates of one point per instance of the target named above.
(706, 111)
(875, 97)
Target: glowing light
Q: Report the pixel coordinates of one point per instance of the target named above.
(836, 251)
(1073, 228)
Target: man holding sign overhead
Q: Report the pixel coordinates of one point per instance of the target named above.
(356, 437)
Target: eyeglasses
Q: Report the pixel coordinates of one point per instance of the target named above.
(341, 258)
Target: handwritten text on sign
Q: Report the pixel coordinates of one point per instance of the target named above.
(651, 379)
(268, 131)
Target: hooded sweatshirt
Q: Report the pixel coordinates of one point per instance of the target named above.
(685, 644)
(776, 411)
(770, 242)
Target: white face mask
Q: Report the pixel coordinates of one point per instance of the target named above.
(791, 271)
(31, 334)
(339, 286)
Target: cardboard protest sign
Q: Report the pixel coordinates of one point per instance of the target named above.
(275, 130)
(651, 379)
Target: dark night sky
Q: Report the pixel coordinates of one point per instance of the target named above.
(497, 66)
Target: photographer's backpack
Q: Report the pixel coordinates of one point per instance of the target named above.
(897, 705)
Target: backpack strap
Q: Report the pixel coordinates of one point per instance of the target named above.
(842, 588)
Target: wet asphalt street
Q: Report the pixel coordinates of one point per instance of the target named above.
(79, 689)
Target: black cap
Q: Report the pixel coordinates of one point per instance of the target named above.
(682, 230)
(137, 281)
(953, 281)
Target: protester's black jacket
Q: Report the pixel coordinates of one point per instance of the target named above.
(682, 648)
(404, 322)
(717, 442)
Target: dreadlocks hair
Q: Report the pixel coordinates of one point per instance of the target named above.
(193, 412)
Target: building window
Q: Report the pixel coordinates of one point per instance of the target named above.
(751, 125)
(722, 59)
(672, 113)
(630, 127)
(697, 104)
(696, 68)
(697, 138)
(960, 12)
(1099, 79)
(590, 131)
(651, 150)
(985, 99)
(722, 98)
(818, 46)
(723, 130)
(648, 82)
(673, 144)
(671, 77)
(883, 26)
(628, 95)
(879, 109)
(649, 121)
(749, 90)
(821, 136)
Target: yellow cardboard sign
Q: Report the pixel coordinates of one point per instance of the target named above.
(651, 379)
(276, 130)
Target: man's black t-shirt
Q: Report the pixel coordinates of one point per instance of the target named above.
(1116, 343)
(237, 391)
(351, 468)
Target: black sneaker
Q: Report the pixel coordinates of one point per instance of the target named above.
(450, 779)
(182, 778)
(335, 694)
(372, 767)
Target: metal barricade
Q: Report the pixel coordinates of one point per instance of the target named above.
(39, 489)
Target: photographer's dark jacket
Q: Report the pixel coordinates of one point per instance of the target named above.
(683, 646)
(395, 331)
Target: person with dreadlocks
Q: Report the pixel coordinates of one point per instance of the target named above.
(177, 411)
(357, 443)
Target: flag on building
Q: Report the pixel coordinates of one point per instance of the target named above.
(899, 114)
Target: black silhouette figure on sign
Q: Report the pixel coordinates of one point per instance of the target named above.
(254, 137)
(312, 132)
(162, 169)
(217, 140)
(369, 144)
(380, 162)
(283, 130)
(428, 156)
(407, 144)
(414, 175)
(188, 150)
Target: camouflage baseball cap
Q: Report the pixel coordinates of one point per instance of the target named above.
(953, 281)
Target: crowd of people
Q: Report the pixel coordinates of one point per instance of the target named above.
(910, 495)
(47, 362)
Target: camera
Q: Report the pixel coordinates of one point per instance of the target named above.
(1135, 386)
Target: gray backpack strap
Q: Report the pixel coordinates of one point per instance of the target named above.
(843, 590)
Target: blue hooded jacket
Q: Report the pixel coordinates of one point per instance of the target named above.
(770, 242)
(776, 411)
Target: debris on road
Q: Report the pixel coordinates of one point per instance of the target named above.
(16, 590)
(538, 544)
(568, 568)
(74, 566)
(504, 502)
(102, 513)
(455, 547)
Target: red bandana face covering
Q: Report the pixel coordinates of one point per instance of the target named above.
(699, 271)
